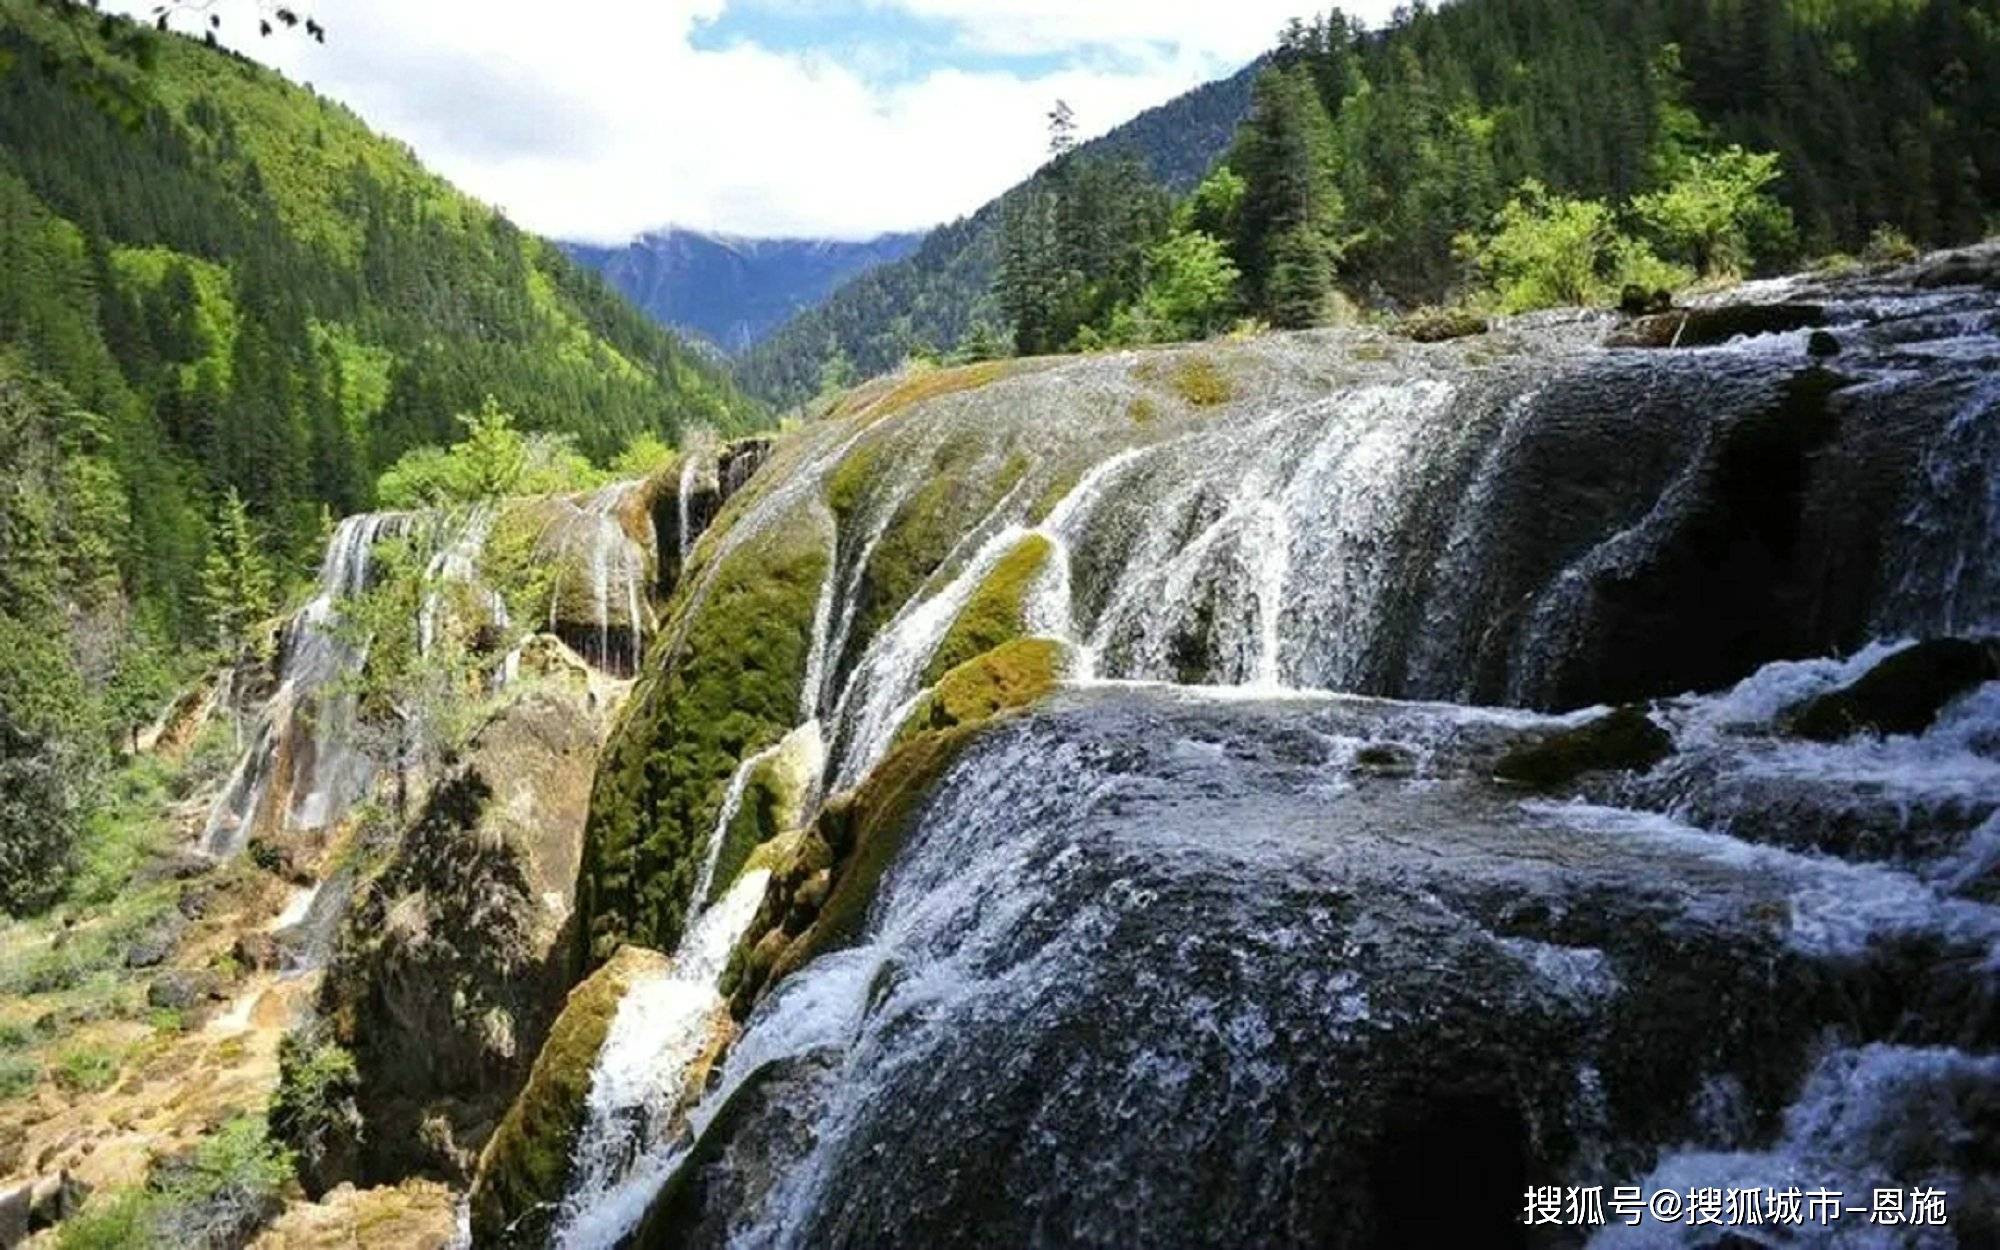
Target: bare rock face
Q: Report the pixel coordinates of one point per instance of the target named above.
(418, 1215)
(456, 953)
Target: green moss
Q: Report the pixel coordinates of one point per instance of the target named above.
(759, 818)
(1058, 489)
(1437, 325)
(996, 612)
(730, 689)
(526, 1164)
(1013, 675)
(873, 822)
(923, 531)
(1201, 382)
(1142, 411)
(1623, 739)
(862, 831)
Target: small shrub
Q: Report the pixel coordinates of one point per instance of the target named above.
(1888, 246)
(18, 1075)
(118, 1221)
(86, 1069)
(1142, 411)
(314, 1106)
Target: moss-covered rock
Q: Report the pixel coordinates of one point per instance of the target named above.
(996, 612)
(1624, 739)
(823, 882)
(729, 688)
(1438, 325)
(773, 802)
(1010, 676)
(1901, 695)
(525, 1166)
(457, 948)
(965, 478)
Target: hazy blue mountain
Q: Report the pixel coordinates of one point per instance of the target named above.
(733, 291)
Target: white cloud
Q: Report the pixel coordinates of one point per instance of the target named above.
(599, 121)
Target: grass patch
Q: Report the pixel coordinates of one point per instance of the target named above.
(87, 1069)
(220, 1194)
(1143, 411)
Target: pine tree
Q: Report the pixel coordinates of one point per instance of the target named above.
(238, 586)
(1287, 232)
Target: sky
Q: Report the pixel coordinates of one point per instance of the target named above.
(595, 120)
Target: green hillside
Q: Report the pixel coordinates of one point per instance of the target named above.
(1514, 154)
(225, 307)
(252, 290)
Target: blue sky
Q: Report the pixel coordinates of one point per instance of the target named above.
(599, 119)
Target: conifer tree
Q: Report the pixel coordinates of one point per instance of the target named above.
(238, 586)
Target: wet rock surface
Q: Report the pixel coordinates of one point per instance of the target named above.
(1141, 936)
(1903, 694)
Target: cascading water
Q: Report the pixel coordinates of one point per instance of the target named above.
(603, 570)
(662, 1026)
(303, 768)
(1186, 967)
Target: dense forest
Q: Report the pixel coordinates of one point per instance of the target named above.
(941, 298)
(225, 308)
(1519, 153)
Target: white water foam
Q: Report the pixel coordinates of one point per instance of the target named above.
(640, 1078)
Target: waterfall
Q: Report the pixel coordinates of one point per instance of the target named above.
(732, 801)
(661, 1028)
(684, 499)
(303, 758)
(1180, 910)
(600, 564)
(1175, 899)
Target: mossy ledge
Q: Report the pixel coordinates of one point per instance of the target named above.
(729, 689)
(965, 478)
(525, 1166)
(997, 611)
(820, 892)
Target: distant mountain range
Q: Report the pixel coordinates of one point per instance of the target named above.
(932, 296)
(733, 291)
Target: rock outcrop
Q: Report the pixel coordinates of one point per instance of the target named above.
(1902, 694)
(457, 950)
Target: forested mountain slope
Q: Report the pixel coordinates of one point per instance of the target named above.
(934, 298)
(225, 307)
(733, 291)
(1880, 112)
(249, 289)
